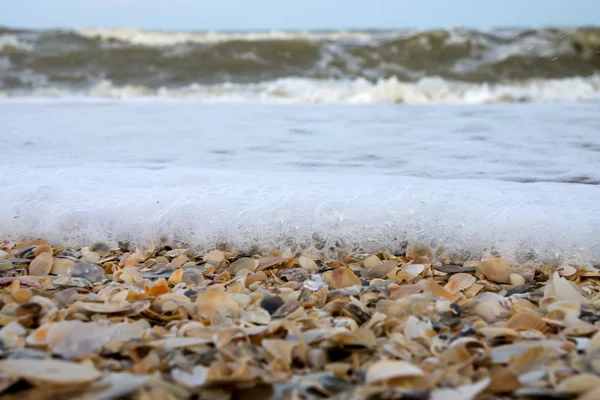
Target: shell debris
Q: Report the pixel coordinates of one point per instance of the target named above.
(178, 322)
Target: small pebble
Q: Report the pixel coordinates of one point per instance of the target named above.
(272, 303)
(91, 272)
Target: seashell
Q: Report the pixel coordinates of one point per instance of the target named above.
(39, 336)
(579, 384)
(495, 270)
(51, 372)
(192, 276)
(100, 248)
(44, 248)
(386, 370)
(593, 347)
(371, 262)
(120, 385)
(380, 270)
(280, 349)
(91, 257)
(180, 260)
(413, 270)
(418, 250)
(268, 262)
(473, 290)
(525, 320)
(72, 339)
(308, 263)
(105, 308)
(159, 288)
(567, 270)
(464, 280)
(244, 263)
(215, 255)
(436, 290)
(344, 277)
(465, 392)
(176, 277)
(415, 329)
(22, 295)
(90, 272)
(214, 302)
(491, 306)
(41, 265)
(569, 310)
(243, 300)
(561, 288)
(580, 328)
(191, 379)
(130, 275)
(516, 279)
(179, 342)
(593, 394)
(257, 315)
(60, 266)
(502, 354)
(494, 333)
(463, 349)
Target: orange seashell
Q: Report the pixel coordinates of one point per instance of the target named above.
(41, 265)
(256, 277)
(464, 280)
(22, 295)
(176, 277)
(525, 320)
(452, 287)
(495, 270)
(135, 296)
(503, 381)
(44, 248)
(159, 288)
(344, 277)
(436, 290)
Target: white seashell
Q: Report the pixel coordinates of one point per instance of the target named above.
(51, 372)
(308, 263)
(191, 380)
(413, 269)
(371, 261)
(465, 392)
(384, 370)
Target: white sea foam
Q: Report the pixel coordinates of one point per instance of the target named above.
(203, 207)
(169, 38)
(347, 177)
(12, 42)
(431, 90)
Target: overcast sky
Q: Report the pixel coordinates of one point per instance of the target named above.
(296, 14)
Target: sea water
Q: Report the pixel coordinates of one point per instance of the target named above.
(519, 180)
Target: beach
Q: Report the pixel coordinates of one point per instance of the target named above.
(299, 215)
(163, 322)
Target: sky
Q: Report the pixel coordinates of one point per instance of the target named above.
(296, 14)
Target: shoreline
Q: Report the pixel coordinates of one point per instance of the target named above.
(105, 323)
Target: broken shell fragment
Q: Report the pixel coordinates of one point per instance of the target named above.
(51, 372)
(244, 263)
(386, 370)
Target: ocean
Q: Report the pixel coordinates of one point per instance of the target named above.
(472, 142)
